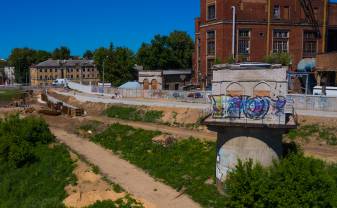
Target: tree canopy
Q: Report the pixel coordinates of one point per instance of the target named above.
(118, 64)
(62, 53)
(167, 52)
(23, 58)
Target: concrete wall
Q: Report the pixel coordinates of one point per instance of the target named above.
(313, 103)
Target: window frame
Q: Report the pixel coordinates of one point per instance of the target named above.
(279, 41)
(208, 18)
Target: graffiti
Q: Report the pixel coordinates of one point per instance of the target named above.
(256, 108)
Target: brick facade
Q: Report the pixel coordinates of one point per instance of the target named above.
(287, 19)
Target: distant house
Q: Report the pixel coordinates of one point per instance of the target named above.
(84, 71)
(171, 79)
(9, 75)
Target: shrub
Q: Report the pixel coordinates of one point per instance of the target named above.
(18, 137)
(295, 181)
(279, 58)
(126, 202)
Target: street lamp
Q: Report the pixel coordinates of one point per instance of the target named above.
(103, 72)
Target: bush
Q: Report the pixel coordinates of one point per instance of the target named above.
(185, 165)
(134, 114)
(18, 137)
(126, 202)
(296, 181)
(279, 58)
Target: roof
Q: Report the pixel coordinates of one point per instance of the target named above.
(70, 63)
(130, 85)
(177, 71)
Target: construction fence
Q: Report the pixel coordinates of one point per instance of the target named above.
(313, 103)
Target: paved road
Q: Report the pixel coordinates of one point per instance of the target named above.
(134, 180)
(84, 97)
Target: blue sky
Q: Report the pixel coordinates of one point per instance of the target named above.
(89, 24)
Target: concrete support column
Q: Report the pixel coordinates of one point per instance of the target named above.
(262, 145)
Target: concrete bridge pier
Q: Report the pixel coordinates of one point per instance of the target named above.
(262, 145)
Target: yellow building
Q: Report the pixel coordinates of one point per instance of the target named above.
(46, 72)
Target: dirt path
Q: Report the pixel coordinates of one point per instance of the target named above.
(180, 132)
(133, 179)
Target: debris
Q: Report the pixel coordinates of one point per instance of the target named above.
(164, 140)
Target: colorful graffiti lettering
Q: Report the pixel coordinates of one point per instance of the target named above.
(247, 107)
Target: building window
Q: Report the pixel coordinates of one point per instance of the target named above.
(211, 12)
(309, 44)
(277, 12)
(280, 41)
(286, 13)
(244, 43)
(41, 70)
(211, 43)
(50, 70)
(210, 64)
(40, 77)
(45, 70)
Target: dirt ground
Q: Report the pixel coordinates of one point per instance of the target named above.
(182, 116)
(90, 187)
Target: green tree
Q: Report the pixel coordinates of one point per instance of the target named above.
(62, 53)
(23, 58)
(167, 52)
(118, 64)
(88, 54)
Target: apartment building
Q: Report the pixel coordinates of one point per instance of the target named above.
(249, 30)
(46, 72)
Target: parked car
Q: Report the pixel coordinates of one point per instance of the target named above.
(195, 95)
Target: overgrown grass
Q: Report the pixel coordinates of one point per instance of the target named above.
(126, 202)
(31, 173)
(7, 95)
(92, 125)
(134, 114)
(307, 132)
(185, 165)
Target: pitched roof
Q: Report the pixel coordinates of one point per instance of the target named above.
(69, 63)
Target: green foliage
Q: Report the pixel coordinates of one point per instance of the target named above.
(167, 52)
(279, 58)
(88, 54)
(62, 53)
(295, 181)
(134, 114)
(126, 202)
(7, 95)
(308, 132)
(23, 58)
(185, 165)
(230, 60)
(18, 138)
(118, 64)
(41, 182)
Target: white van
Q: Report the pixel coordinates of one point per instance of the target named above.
(330, 91)
(60, 82)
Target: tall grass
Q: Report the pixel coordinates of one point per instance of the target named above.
(134, 114)
(186, 165)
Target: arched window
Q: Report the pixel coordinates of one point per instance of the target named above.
(235, 89)
(262, 89)
(154, 84)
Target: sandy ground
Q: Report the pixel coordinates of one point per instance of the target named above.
(89, 188)
(133, 179)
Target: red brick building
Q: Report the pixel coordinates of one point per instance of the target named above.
(261, 28)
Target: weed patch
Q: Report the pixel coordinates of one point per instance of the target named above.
(185, 165)
(134, 114)
(308, 132)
